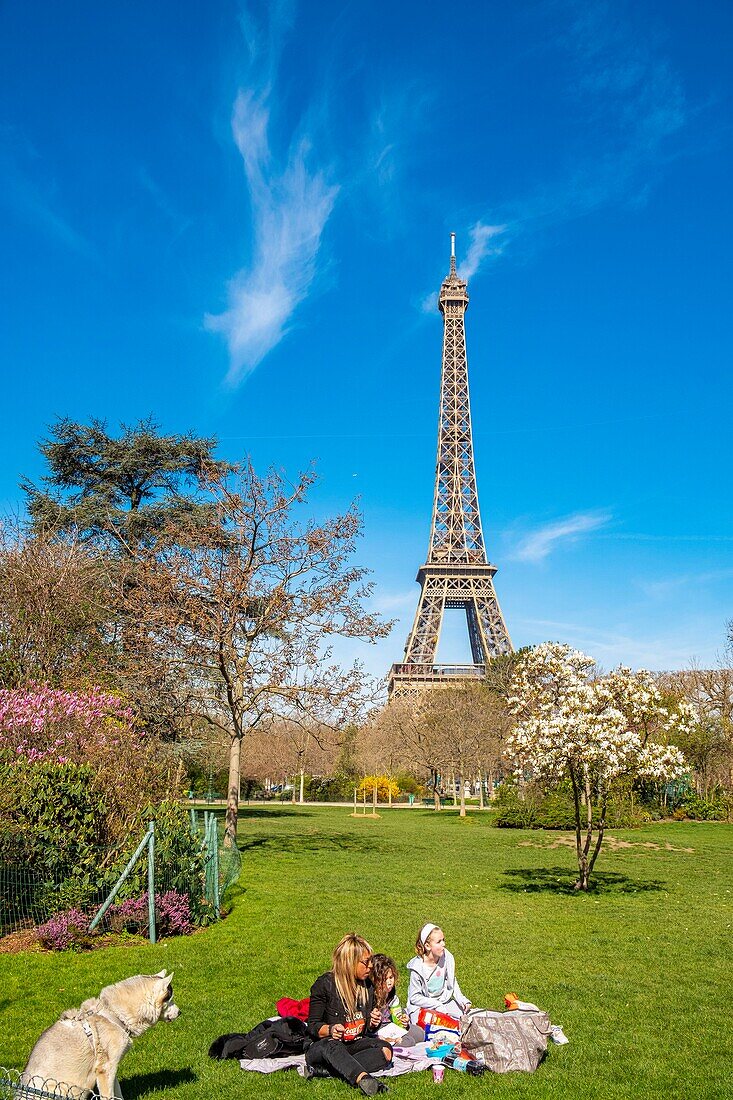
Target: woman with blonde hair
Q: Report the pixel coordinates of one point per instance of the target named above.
(343, 1021)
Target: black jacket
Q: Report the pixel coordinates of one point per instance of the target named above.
(326, 1007)
(270, 1039)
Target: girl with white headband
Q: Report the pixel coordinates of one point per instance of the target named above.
(433, 982)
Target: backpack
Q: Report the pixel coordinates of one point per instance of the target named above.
(270, 1039)
(504, 1041)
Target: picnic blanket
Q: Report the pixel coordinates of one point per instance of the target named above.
(404, 1060)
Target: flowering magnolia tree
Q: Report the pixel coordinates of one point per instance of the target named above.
(52, 728)
(45, 723)
(595, 731)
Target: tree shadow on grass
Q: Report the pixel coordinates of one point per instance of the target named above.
(312, 842)
(140, 1084)
(289, 810)
(560, 880)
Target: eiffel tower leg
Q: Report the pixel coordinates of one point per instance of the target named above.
(422, 644)
(478, 647)
(486, 627)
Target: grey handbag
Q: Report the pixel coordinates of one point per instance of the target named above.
(503, 1041)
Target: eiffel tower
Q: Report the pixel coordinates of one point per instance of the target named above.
(457, 573)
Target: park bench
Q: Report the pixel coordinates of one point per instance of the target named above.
(444, 801)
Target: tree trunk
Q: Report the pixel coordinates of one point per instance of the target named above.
(599, 838)
(481, 791)
(583, 874)
(235, 757)
(436, 792)
(302, 785)
(463, 797)
(585, 866)
(582, 883)
(453, 781)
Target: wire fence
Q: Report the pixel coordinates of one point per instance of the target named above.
(188, 890)
(14, 1086)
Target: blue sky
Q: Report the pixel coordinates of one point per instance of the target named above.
(236, 218)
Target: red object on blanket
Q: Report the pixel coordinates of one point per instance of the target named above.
(286, 1006)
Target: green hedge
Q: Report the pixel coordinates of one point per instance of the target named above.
(533, 808)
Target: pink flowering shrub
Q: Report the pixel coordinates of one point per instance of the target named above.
(45, 723)
(79, 780)
(48, 728)
(172, 914)
(64, 931)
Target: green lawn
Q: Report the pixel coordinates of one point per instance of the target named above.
(638, 973)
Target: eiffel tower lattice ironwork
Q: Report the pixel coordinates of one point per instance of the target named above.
(457, 573)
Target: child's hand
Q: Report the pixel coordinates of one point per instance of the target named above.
(404, 1020)
(375, 1017)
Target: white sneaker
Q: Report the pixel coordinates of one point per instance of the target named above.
(558, 1035)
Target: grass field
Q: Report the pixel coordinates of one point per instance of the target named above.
(638, 972)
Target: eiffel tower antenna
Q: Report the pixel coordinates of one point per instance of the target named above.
(457, 573)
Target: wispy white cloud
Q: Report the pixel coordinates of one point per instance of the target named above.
(395, 603)
(401, 114)
(622, 92)
(673, 649)
(538, 544)
(482, 244)
(383, 161)
(163, 204)
(429, 302)
(290, 205)
(661, 589)
(34, 202)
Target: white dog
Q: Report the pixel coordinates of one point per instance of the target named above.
(83, 1049)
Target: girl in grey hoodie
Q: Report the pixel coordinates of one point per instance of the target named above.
(433, 982)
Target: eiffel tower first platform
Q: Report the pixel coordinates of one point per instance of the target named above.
(457, 573)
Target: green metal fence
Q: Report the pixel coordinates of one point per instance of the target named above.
(30, 896)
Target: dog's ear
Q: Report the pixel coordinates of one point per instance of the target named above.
(162, 974)
(169, 978)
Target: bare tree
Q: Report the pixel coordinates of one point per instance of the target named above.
(54, 609)
(708, 744)
(461, 712)
(382, 749)
(245, 605)
(267, 756)
(287, 750)
(413, 726)
(456, 731)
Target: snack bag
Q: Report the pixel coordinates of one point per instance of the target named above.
(439, 1025)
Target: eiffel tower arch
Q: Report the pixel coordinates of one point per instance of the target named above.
(457, 573)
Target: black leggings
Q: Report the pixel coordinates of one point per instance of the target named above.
(349, 1060)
